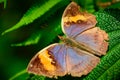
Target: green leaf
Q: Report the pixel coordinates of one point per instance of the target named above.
(110, 22)
(52, 31)
(34, 13)
(33, 39)
(23, 72)
(113, 12)
(89, 5)
(114, 38)
(46, 35)
(113, 70)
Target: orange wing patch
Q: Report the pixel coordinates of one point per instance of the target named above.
(74, 18)
(46, 60)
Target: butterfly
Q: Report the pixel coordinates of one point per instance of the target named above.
(79, 53)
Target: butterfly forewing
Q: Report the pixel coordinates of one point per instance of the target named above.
(49, 62)
(74, 22)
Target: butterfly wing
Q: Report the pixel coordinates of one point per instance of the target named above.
(80, 62)
(49, 62)
(94, 38)
(59, 60)
(80, 26)
(75, 22)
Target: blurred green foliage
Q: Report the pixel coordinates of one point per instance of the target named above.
(36, 24)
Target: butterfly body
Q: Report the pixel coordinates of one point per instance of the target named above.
(77, 54)
(71, 42)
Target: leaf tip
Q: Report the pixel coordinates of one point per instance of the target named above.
(3, 33)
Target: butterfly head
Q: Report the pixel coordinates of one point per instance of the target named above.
(66, 40)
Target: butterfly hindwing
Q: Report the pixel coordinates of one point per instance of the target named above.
(95, 38)
(80, 62)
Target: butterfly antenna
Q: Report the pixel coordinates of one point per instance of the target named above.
(60, 37)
